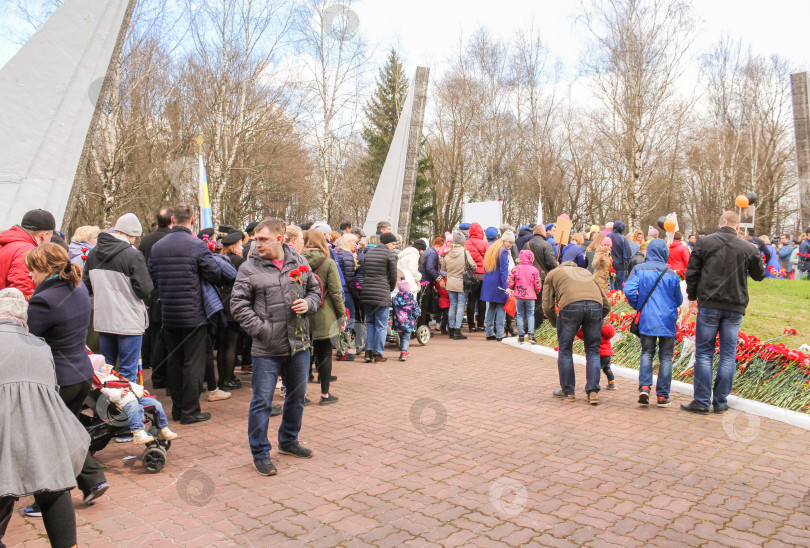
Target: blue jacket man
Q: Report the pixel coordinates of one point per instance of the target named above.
(620, 253)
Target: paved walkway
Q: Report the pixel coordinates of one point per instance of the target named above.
(463, 445)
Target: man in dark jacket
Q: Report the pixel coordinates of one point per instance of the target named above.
(177, 263)
(717, 288)
(272, 300)
(544, 261)
(804, 256)
(620, 253)
(378, 267)
(429, 270)
(152, 344)
(525, 234)
(116, 277)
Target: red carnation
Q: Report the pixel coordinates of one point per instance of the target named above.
(303, 268)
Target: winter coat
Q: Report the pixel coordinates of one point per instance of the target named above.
(349, 268)
(324, 324)
(569, 284)
(42, 443)
(117, 278)
(226, 288)
(454, 263)
(678, 255)
(784, 256)
(429, 270)
(660, 315)
(262, 300)
(637, 259)
(524, 278)
(60, 314)
(495, 282)
(441, 292)
(477, 247)
(406, 312)
(573, 252)
(602, 263)
(804, 255)
(408, 259)
(149, 240)
(544, 259)
(773, 263)
(75, 252)
(213, 296)
(379, 268)
(177, 264)
(620, 252)
(605, 346)
(718, 270)
(523, 237)
(14, 242)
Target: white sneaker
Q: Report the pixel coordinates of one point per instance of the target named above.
(217, 395)
(166, 434)
(279, 384)
(140, 437)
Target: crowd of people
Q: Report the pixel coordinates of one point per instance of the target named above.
(282, 302)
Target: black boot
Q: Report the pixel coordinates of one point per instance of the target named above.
(458, 336)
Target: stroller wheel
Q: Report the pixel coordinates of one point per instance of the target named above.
(423, 334)
(154, 459)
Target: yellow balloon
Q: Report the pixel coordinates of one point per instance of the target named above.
(741, 201)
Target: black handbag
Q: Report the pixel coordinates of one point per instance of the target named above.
(469, 278)
(634, 325)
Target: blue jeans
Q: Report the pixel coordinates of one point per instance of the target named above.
(496, 315)
(618, 281)
(710, 322)
(586, 315)
(458, 300)
(404, 341)
(134, 411)
(666, 346)
(295, 370)
(125, 349)
(376, 327)
(525, 312)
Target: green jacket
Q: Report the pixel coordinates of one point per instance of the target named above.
(325, 323)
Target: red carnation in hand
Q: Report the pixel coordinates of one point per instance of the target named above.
(303, 268)
(295, 273)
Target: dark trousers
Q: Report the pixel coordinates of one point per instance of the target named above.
(186, 368)
(74, 396)
(160, 358)
(245, 348)
(475, 304)
(210, 367)
(427, 303)
(539, 316)
(585, 315)
(322, 351)
(227, 339)
(58, 516)
(147, 346)
(605, 362)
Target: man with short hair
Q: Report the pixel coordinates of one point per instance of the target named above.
(383, 227)
(804, 256)
(785, 251)
(116, 277)
(178, 263)
(346, 227)
(717, 288)
(36, 228)
(272, 300)
(691, 242)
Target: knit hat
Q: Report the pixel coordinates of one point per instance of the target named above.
(38, 219)
(491, 233)
(508, 236)
(129, 224)
(419, 244)
(403, 285)
(653, 233)
(387, 238)
(13, 304)
(322, 226)
(464, 226)
(232, 238)
(458, 237)
(607, 242)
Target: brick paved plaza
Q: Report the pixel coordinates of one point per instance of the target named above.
(463, 445)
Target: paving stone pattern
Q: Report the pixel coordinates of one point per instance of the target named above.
(462, 445)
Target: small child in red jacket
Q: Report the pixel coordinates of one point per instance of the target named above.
(605, 352)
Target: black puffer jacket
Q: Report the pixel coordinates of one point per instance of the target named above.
(718, 270)
(379, 270)
(349, 269)
(543, 252)
(176, 264)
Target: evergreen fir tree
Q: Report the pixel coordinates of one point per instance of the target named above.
(424, 207)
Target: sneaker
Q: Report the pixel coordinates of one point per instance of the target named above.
(247, 369)
(123, 439)
(593, 397)
(403, 356)
(663, 402)
(275, 410)
(96, 492)
(218, 395)
(167, 435)
(695, 407)
(140, 437)
(368, 357)
(491, 337)
(265, 467)
(307, 401)
(282, 391)
(329, 399)
(720, 410)
(379, 358)
(32, 511)
(296, 450)
(279, 383)
(348, 357)
(562, 395)
(644, 395)
(611, 385)
(311, 379)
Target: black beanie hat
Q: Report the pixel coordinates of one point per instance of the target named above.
(387, 238)
(38, 219)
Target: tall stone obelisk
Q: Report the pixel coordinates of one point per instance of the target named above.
(412, 156)
(801, 125)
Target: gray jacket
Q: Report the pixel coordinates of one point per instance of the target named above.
(262, 299)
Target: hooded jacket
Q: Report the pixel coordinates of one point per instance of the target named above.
(524, 235)
(660, 315)
(14, 242)
(408, 259)
(454, 263)
(324, 324)
(678, 255)
(477, 247)
(524, 278)
(620, 252)
(116, 276)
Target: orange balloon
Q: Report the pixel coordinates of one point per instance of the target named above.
(669, 225)
(741, 201)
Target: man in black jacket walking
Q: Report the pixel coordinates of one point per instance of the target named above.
(379, 269)
(544, 261)
(717, 288)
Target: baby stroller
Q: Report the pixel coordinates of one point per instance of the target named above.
(422, 334)
(106, 421)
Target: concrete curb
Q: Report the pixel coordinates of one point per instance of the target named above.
(793, 418)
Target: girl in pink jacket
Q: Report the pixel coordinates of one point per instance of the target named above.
(524, 281)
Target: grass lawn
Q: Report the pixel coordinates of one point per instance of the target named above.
(777, 305)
